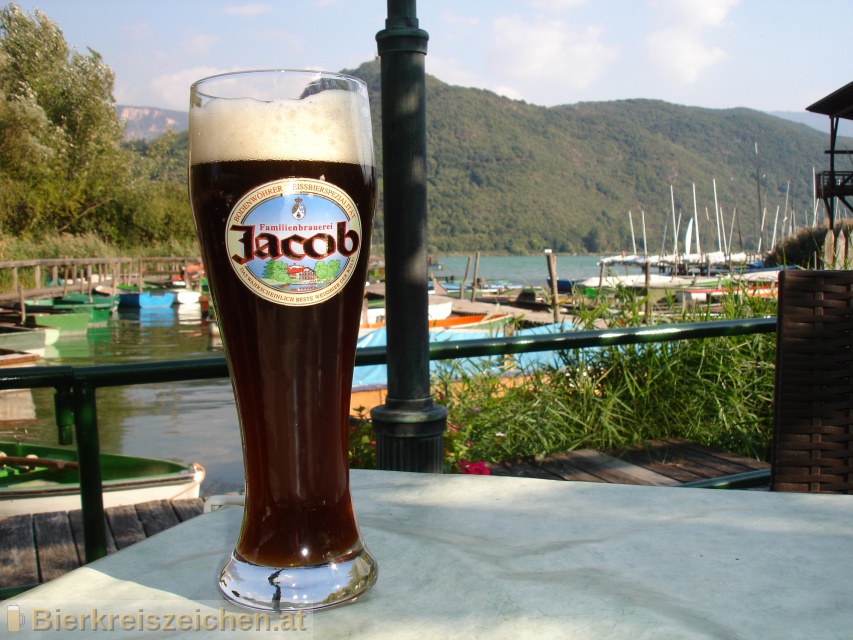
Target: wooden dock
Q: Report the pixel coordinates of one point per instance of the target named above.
(43, 546)
(669, 462)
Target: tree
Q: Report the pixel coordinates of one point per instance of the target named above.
(64, 168)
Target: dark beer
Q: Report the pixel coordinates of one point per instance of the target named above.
(283, 189)
(291, 369)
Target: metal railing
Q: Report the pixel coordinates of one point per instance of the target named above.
(76, 408)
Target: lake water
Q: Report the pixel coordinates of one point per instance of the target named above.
(524, 270)
(197, 421)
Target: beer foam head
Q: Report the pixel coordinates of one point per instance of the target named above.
(332, 126)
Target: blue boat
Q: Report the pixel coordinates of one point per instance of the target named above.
(564, 285)
(146, 299)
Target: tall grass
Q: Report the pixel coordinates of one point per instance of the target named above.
(715, 391)
(88, 245)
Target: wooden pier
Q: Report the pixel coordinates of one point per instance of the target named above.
(59, 276)
(40, 547)
(668, 462)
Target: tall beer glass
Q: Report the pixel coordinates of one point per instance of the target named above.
(282, 185)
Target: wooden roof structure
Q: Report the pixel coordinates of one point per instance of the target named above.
(835, 185)
(838, 104)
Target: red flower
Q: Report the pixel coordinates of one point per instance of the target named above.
(474, 468)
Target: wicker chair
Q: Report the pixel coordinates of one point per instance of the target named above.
(813, 409)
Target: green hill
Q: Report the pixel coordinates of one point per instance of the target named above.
(505, 176)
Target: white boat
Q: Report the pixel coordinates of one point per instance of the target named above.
(42, 479)
(28, 339)
(437, 311)
(186, 296)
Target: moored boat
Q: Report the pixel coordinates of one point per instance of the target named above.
(99, 311)
(482, 321)
(12, 358)
(155, 296)
(437, 311)
(147, 299)
(186, 296)
(67, 323)
(45, 323)
(39, 479)
(19, 338)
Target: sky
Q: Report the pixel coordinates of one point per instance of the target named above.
(769, 55)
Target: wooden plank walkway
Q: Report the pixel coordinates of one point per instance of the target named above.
(669, 462)
(40, 547)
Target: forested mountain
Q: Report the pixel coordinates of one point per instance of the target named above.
(507, 176)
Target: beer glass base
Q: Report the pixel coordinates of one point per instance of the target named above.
(310, 587)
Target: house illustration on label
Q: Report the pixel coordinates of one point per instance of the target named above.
(303, 274)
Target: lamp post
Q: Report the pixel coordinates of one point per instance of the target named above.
(409, 427)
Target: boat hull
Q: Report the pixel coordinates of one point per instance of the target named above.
(126, 480)
(147, 299)
(479, 321)
(98, 312)
(67, 323)
(186, 296)
(29, 339)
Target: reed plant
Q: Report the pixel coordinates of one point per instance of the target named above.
(89, 245)
(714, 391)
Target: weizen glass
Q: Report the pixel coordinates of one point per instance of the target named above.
(282, 184)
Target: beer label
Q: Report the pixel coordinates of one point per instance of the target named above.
(294, 242)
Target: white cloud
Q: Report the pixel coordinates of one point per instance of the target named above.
(137, 31)
(712, 13)
(248, 10)
(199, 44)
(556, 5)
(455, 19)
(682, 55)
(286, 40)
(172, 90)
(451, 71)
(531, 56)
(681, 49)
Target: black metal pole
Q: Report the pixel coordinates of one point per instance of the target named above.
(88, 457)
(409, 427)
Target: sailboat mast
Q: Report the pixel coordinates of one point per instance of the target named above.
(717, 216)
(775, 225)
(674, 225)
(758, 179)
(696, 221)
(633, 240)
